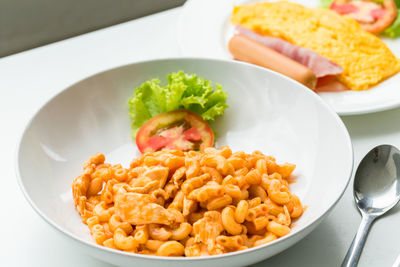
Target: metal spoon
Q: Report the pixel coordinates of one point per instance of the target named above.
(376, 190)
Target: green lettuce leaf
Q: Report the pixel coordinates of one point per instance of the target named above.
(326, 3)
(182, 91)
(394, 30)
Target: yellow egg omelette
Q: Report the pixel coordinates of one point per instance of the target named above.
(365, 59)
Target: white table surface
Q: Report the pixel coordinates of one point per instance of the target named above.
(30, 78)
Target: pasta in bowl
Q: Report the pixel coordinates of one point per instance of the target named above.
(267, 112)
(174, 203)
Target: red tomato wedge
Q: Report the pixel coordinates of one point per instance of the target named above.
(178, 129)
(372, 17)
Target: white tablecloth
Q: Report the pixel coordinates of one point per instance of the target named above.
(30, 78)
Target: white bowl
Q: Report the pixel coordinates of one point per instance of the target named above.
(267, 112)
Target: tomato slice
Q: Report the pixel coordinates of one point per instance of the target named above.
(179, 129)
(372, 17)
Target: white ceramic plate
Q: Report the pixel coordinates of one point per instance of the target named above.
(204, 31)
(268, 112)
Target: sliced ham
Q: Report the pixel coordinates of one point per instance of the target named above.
(318, 64)
(332, 86)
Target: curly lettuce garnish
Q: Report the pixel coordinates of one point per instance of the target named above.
(183, 90)
(394, 30)
(326, 3)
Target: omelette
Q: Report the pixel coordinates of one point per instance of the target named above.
(365, 59)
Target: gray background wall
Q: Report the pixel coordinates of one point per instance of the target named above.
(26, 24)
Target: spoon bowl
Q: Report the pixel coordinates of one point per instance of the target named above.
(376, 191)
(377, 181)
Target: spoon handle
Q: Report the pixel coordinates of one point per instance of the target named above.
(353, 254)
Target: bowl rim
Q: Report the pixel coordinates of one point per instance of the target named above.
(94, 245)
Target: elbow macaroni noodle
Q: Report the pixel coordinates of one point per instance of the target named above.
(174, 203)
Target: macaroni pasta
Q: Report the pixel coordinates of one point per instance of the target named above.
(174, 203)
